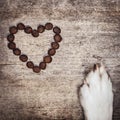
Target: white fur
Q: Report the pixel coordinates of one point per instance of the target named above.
(97, 96)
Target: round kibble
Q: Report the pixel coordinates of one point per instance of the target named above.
(11, 45)
(41, 29)
(57, 38)
(55, 45)
(51, 52)
(36, 69)
(10, 37)
(30, 64)
(23, 58)
(28, 30)
(35, 33)
(13, 30)
(48, 26)
(42, 65)
(16, 51)
(20, 26)
(57, 30)
(47, 59)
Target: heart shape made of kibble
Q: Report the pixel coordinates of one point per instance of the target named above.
(35, 33)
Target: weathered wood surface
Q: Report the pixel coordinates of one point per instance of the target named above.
(90, 29)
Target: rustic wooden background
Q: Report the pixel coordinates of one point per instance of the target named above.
(90, 30)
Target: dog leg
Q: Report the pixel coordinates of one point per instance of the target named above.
(96, 94)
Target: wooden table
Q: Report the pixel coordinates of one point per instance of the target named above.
(90, 31)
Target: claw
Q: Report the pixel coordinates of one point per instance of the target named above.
(96, 66)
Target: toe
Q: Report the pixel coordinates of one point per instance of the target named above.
(93, 78)
(104, 73)
(84, 90)
(102, 69)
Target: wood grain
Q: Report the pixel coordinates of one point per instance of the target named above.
(90, 31)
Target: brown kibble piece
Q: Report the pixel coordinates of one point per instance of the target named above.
(13, 30)
(11, 45)
(57, 30)
(55, 45)
(47, 59)
(20, 26)
(16, 51)
(51, 51)
(35, 33)
(42, 65)
(41, 29)
(30, 64)
(28, 30)
(36, 69)
(57, 38)
(48, 26)
(23, 58)
(10, 37)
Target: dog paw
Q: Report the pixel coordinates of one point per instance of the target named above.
(96, 94)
